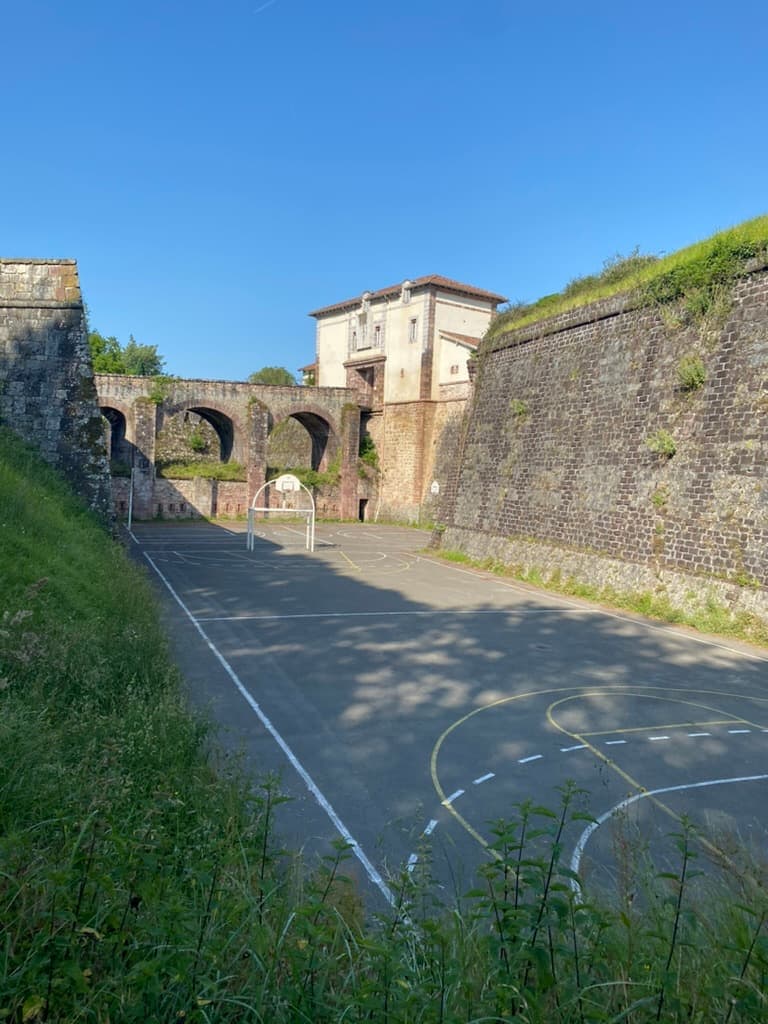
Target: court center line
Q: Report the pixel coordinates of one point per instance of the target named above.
(338, 824)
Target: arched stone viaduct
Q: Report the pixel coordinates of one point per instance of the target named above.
(242, 415)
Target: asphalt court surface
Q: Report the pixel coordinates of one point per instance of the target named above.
(411, 702)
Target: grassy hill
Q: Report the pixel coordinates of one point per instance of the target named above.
(140, 879)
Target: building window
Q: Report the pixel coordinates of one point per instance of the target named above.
(412, 325)
(455, 368)
(354, 340)
(377, 336)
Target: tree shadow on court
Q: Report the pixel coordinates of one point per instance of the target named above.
(397, 689)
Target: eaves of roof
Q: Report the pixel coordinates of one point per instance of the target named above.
(434, 280)
(463, 339)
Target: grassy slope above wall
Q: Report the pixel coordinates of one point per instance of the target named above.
(694, 274)
(138, 885)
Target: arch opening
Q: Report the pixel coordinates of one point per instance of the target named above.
(302, 440)
(196, 434)
(120, 451)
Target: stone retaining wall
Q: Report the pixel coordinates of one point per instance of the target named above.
(555, 462)
(47, 395)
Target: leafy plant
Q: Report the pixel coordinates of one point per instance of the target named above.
(660, 497)
(661, 443)
(691, 373)
(518, 408)
(197, 441)
(368, 452)
(160, 388)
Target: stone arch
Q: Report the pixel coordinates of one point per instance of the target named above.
(221, 423)
(323, 441)
(119, 449)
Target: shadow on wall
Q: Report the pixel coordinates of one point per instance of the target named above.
(47, 396)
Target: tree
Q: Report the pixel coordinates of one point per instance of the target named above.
(109, 356)
(142, 360)
(272, 375)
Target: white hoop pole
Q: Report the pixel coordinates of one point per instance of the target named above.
(309, 539)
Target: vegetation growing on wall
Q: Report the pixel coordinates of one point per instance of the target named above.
(691, 372)
(662, 443)
(368, 453)
(175, 470)
(311, 478)
(695, 275)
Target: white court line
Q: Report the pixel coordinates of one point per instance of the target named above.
(656, 739)
(483, 778)
(430, 827)
(533, 757)
(579, 746)
(454, 796)
(362, 615)
(589, 831)
(341, 828)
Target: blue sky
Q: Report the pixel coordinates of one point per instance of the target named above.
(218, 170)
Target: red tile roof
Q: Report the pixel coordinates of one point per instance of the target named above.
(420, 282)
(466, 339)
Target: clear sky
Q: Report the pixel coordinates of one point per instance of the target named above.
(218, 170)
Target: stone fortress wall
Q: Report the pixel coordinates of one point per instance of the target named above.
(553, 468)
(47, 394)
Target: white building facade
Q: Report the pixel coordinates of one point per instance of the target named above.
(405, 350)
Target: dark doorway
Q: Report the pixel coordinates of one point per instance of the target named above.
(361, 506)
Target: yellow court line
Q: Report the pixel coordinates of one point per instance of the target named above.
(618, 690)
(353, 564)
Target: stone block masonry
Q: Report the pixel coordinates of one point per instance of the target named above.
(47, 394)
(556, 468)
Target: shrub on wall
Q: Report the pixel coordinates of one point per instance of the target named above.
(691, 373)
(662, 443)
(197, 441)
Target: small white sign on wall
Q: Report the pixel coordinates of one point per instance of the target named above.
(435, 488)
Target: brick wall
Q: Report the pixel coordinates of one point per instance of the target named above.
(47, 395)
(555, 468)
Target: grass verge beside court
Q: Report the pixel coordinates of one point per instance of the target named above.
(141, 880)
(710, 616)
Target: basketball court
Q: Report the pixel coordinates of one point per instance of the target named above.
(407, 703)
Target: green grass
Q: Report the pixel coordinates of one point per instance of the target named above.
(709, 616)
(208, 470)
(141, 879)
(697, 275)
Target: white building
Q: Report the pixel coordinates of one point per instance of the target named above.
(405, 350)
(406, 343)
